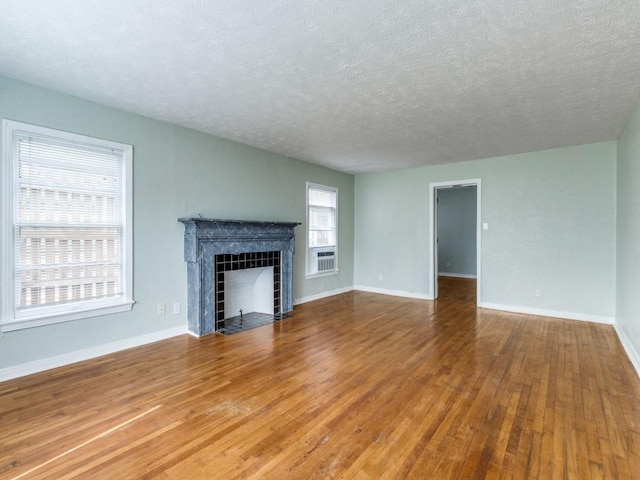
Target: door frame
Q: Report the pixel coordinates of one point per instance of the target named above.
(433, 232)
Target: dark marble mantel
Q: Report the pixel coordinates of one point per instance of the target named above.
(204, 238)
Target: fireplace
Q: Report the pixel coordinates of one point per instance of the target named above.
(213, 247)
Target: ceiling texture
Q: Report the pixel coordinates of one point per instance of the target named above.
(354, 85)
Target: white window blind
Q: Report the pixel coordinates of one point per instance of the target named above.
(70, 222)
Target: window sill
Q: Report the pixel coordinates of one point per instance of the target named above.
(40, 321)
(323, 274)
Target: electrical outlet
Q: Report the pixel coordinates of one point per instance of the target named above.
(538, 292)
(161, 309)
(380, 276)
(176, 307)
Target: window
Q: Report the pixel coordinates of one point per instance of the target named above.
(322, 230)
(67, 226)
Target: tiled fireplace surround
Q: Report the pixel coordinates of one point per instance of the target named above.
(213, 246)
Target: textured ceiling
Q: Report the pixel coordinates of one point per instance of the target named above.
(358, 85)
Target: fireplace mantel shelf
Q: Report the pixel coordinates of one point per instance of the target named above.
(237, 223)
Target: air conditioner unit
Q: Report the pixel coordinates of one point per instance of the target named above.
(326, 261)
(323, 261)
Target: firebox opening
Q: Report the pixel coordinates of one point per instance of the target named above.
(255, 289)
(249, 290)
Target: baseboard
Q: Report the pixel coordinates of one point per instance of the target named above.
(395, 293)
(318, 296)
(548, 313)
(628, 347)
(456, 275)
(36, 366)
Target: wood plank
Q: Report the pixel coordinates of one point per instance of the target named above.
(357, 386)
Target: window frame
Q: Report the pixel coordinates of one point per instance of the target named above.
(308, 249)
(46, 315)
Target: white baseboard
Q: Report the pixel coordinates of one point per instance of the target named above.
(318, 296)
(548, 313)
(456, 275)
(628, 347)
(86, 354)
(395, 293)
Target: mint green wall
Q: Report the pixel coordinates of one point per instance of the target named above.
(628, 232)
(177, 173)
(551, 217)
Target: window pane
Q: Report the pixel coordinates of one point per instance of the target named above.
(322, 198)
(322, 218)
(63, 259)
(322, 238)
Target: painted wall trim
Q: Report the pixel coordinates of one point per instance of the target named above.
(628, 347)
(318, 296)
(36, 366)
(456, 275)
(549, 313)
(395, 293)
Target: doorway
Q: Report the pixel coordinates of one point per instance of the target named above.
(467, 248)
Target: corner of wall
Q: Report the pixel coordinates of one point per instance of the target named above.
(631, 352)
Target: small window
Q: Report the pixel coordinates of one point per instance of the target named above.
(67, 226)
(322, 230)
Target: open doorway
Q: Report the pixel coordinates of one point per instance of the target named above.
(455, 232)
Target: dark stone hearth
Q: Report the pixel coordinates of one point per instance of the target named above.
(212, 246)
(251, 320)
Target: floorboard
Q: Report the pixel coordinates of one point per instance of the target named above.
(356, 386)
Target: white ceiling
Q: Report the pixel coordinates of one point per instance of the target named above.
(355, 85)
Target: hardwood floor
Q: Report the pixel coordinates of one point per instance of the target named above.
(358, 386)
